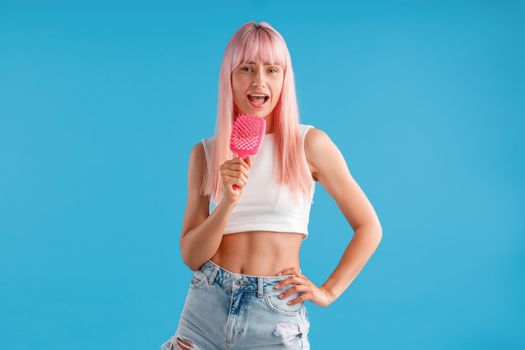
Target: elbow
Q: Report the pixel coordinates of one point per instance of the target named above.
(192, 267)
(373, 232)
(189, 262)
(187, 257)
(184, 252)
(378, 234)
(377, 231)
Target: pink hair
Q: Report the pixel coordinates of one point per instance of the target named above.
(261, 42)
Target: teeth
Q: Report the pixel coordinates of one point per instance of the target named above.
(258, 95)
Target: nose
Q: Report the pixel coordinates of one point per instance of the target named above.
(259, 79)
(259, 82)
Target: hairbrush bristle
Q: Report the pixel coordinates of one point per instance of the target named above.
(247, 134)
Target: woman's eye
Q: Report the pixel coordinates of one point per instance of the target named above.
(274, 70)
(244, 68)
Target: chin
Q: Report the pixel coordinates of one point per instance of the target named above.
(261, 113)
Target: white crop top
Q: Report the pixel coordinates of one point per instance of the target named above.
(266, 205)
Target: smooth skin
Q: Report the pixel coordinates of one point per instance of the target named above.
(267, 253)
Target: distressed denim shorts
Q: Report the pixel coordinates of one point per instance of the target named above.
(226, 310)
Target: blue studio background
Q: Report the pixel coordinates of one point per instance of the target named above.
(101, 102)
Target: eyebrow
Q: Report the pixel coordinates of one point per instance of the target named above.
(266, 63)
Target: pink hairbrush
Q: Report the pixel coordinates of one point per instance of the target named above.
(247, 136)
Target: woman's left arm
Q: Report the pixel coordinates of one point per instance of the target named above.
(330, 168)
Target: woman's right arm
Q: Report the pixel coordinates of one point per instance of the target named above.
(201, 232)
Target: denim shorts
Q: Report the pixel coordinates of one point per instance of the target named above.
(226, 310)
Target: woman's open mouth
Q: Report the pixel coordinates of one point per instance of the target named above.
(258, 100)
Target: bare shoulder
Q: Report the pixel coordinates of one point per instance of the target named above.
(315, 136)
(197, 164)
(197, 152)
(317, 145)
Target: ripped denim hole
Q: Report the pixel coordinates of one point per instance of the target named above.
(183, 343)
(289, 332)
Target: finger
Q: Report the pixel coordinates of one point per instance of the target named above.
(241, 169)
(241, 161)
(245, 168)
(238, 167)
(300, 299)
(295, 289)
(247, 162)
(230, 165)
(237, 174)
(292, 279)
(234, 180)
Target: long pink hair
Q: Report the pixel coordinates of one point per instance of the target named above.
(261, 42)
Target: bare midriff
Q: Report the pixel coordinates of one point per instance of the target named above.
(259, 253)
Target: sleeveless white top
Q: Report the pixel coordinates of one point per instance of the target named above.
(264, 204)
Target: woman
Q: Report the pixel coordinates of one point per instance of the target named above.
(247, 290)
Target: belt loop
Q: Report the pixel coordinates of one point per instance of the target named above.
(260, 285)
(213, 274)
